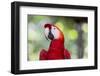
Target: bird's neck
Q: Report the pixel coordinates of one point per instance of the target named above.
(57, 44)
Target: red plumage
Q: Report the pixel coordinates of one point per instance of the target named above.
(56, 49)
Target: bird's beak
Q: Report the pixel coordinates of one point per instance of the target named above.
(50, 35)
(46, 37)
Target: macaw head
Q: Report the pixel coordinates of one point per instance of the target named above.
(53, 32)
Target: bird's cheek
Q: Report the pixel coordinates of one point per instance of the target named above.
(56, 34)
(46, 32)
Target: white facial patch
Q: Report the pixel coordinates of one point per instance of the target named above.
(46, 32)
(55, 32)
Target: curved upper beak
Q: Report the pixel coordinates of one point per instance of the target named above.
(50, 35)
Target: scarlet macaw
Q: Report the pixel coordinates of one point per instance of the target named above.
(56, 49)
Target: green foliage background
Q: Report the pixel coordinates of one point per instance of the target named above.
(37, 41)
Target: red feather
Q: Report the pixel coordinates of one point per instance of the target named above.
(67, 54)
(43, 55)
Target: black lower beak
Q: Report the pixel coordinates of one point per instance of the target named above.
(50, 35)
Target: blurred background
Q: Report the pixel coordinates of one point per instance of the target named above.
(75, 30)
